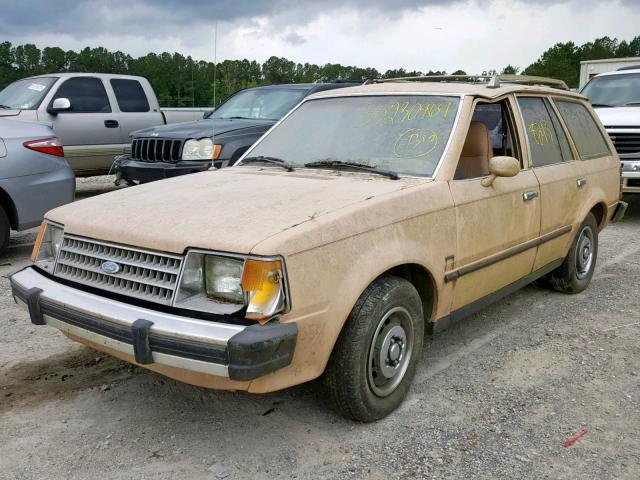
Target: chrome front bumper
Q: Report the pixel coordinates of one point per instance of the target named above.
(152, 337)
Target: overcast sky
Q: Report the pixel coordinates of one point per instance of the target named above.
(473, 35)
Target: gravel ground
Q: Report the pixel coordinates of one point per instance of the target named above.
(496, 396)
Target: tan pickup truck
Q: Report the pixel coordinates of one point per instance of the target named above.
(363, 219)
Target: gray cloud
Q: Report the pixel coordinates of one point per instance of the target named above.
(83, 20)
(294, 38)
(151, 18)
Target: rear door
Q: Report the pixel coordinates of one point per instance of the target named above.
(599, 162)
(135, 110)
(90, 129)
(559, 172)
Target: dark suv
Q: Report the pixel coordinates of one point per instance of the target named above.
(218, 140)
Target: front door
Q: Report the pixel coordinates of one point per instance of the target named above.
(89, 130)
(498, 225)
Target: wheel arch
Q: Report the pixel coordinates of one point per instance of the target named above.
(423, 281)
(10, 209)
(599, 211)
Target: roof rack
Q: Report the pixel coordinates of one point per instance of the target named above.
(492, 81)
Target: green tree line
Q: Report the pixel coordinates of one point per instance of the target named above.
(183, 81)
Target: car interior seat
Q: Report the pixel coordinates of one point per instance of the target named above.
(477, 150)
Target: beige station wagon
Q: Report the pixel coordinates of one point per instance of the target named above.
(363, 219)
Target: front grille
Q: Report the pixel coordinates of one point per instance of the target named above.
(156, 150)
(625, 142)
(144, 275)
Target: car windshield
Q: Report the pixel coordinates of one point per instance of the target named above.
(405, 134)
(26, 94)
(614, 90)
(260, 104)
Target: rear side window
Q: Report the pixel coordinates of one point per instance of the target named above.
(86, 94)
(130, 95)
(547, 142)
(584, 130)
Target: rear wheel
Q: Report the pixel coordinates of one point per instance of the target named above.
(574, 275)
(375, 358)
(5, 229)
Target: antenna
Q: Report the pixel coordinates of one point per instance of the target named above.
(193, 88)
(215, 69)
(215, 61)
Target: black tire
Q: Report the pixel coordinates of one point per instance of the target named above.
(356, 383)
(5, 230)
(574, 275)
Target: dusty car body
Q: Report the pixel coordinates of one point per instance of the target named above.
(350, 263)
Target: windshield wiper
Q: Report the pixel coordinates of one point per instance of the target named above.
(629, 104)
(338, 165)
(601, 105)
(6, 107)
(273, 160)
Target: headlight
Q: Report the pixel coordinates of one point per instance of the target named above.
(202, 149)
(225, 285)
(47, 246)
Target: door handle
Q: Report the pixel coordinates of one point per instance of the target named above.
(111, 123)
(526, 196)
(581, 182)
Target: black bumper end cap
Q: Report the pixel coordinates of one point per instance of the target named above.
(261, 349)
(32, 297)
(141, 348)
(619, 212)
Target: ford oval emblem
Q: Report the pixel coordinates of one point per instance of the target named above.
(110, 267)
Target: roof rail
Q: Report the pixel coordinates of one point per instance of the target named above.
(492, 81)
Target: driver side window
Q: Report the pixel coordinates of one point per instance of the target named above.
(490, 134)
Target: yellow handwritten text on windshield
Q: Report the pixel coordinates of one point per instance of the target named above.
(415, 143)
(395, 113)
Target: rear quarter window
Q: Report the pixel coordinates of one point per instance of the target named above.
(130, 95)
(584, 130)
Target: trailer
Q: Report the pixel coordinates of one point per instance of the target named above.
(591, 68)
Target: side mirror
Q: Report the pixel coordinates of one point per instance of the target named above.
(501, 167)
(59, 105)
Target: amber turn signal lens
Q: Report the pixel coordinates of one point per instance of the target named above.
(257, 272)
(38, 244)
(216, 151)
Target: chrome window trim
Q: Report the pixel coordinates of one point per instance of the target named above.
(454, 126)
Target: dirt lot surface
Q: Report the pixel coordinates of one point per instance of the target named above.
(496, 396)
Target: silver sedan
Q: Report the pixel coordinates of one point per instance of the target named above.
(34, 175)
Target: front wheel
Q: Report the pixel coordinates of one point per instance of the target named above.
(574, 275)
(374, 360)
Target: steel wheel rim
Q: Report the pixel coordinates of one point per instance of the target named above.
(584, 252)
(390, 351)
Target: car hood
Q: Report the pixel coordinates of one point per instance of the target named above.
(231, 210)
(201, 128)
(619, 116)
